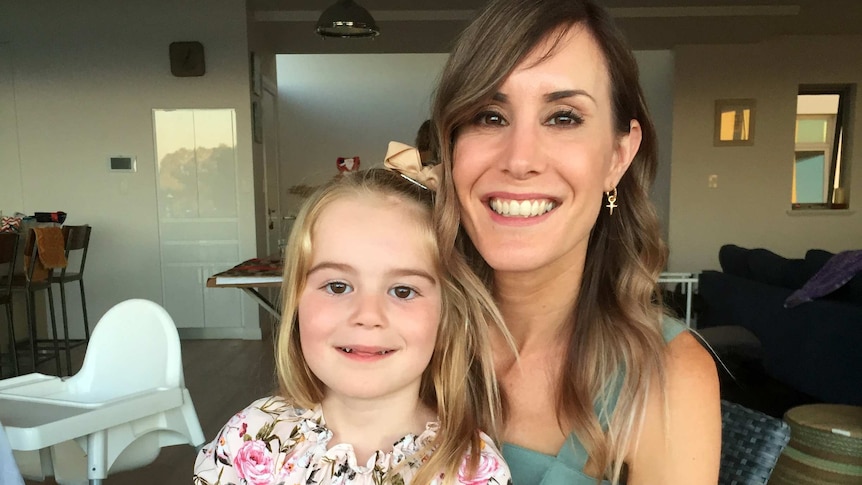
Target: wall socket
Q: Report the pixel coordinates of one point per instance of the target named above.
(712, 181)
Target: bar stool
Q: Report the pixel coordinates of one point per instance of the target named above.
(8, 257)
(31, 281)
(77, 241)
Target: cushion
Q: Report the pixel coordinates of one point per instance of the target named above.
(766, 267)
(816, 258)
(794, 273)
(837, 271)
(734, 260)
(850, 292)
(10, 224)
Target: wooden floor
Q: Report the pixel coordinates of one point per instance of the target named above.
(223, 377)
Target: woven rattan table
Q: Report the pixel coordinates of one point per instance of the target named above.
(825, 446)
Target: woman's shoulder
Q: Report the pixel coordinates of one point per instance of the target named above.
(671, 328)
(684, 447)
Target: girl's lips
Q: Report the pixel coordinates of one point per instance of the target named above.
(364, 353)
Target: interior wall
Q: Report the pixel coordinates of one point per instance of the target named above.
(347, 105)
(656, 73)
(87, 76)
(344, 105)
(750, 206)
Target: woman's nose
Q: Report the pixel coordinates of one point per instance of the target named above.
(369, 311)
(522, 158)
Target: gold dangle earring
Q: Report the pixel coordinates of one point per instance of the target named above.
(612, 200)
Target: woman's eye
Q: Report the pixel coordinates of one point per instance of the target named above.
(563, 118)
(337, 288)
(403, 292)
(488, 117)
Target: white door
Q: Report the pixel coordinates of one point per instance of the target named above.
(271, 171)
(198, 215)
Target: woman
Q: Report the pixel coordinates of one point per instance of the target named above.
(548, 155)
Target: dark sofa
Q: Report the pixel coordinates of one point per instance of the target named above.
(814, 348)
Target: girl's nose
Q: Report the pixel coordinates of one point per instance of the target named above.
(369, 311)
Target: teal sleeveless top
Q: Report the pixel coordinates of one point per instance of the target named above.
(530, 467)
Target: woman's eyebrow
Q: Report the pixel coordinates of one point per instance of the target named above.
(550, 97)
(568, 93)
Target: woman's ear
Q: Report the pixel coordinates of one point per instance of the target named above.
(626, 149)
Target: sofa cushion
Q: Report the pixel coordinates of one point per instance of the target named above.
(850, 292)
(769, 268)
(734, 260)
(816, 258)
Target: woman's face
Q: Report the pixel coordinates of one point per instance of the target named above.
(532, 167)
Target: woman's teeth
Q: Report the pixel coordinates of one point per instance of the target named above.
(521, 208)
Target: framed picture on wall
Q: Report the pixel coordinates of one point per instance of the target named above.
(734, 122)
(254, 70)
(256, 122)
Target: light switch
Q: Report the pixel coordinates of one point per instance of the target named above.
(122, 164)
(712, 181)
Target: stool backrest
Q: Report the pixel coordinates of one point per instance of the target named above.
(8, 256)
(77, 239)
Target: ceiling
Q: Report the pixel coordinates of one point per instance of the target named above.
(287, 26)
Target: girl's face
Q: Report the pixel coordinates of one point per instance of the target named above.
(531, 169)
(369, 313)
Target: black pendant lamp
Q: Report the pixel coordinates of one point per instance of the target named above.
(346, 19)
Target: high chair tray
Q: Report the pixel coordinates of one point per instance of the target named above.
(39, 413)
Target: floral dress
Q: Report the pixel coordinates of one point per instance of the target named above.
(272, 442)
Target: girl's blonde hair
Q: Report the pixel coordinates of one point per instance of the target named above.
(459, 382)
(617, 343)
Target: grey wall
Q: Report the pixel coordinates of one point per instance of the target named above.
(750, 206)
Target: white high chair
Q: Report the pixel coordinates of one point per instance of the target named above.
(128, 401)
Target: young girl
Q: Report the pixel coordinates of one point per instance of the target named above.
(383, 362)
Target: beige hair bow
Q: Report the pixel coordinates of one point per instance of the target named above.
(405, 160)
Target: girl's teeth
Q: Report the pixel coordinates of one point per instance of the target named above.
(348, 350)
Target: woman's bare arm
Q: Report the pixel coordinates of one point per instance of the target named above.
(686, 448)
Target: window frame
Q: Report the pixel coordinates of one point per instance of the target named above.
(835, 143)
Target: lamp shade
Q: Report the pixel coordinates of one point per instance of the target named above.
(346, 19)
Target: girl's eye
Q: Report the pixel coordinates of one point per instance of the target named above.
(563, 118)
(337, 288)
(489, 117)
(403, 292)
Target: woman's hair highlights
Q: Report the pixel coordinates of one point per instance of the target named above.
(459, 381)
(618, 312)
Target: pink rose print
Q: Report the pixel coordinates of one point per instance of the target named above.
(254, 463)
(243, 429)
(488, 466)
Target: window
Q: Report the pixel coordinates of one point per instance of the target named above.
(820, 163)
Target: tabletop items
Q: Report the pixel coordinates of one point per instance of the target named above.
(260, 271)
(19, 221)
